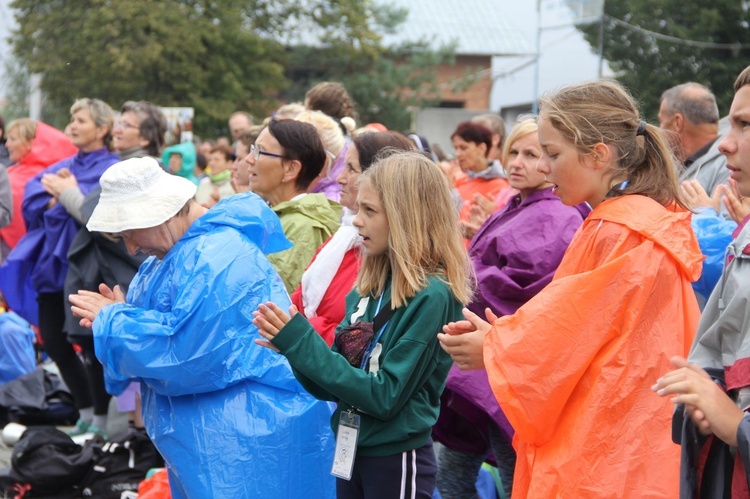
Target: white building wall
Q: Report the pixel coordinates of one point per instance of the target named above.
(566, 57)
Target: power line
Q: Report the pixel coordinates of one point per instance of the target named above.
(735, 47)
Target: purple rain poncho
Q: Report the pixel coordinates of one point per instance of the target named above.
(515, 254)
(38, 263)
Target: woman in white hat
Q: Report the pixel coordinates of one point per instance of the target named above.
(228, 417)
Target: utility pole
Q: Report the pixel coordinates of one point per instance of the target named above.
(534, 104)
(601, 40)
(35, 96)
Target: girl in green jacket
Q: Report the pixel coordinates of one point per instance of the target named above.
(385, 369)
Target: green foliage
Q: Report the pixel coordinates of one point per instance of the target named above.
(385, 82)
(648, 66)
(187, 53)
(219, 57)
(384, 86)
(15, 85)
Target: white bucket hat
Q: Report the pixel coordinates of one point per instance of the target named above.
(137, 194)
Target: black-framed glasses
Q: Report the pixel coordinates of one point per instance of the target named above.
(257, 153)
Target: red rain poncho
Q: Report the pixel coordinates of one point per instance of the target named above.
(573, 368)
(48, 146)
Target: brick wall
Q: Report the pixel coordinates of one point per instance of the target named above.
(477, 96)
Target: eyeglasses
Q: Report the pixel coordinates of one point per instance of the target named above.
(124, 124)
(257, 152)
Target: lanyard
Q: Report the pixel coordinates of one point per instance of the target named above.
(368, 352)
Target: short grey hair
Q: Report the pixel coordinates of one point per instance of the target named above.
(494, 122)
(694, 101)
(100, 112)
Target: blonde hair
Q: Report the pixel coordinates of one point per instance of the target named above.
(424, 238)
(604, 112)
(329, 131)
(26, 128)
(522, 128)
(742, 80)
(289, 111)
(101, 114)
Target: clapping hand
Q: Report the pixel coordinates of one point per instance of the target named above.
(737, 205)
(464, 340)
(88, 304)
(269, 319)
(709, 407)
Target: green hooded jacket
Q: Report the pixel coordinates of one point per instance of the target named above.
(308, 222)
(187, 150)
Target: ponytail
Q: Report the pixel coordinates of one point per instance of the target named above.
(652, 171)
(604, 112)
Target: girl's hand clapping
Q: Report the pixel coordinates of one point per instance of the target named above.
(269, 319)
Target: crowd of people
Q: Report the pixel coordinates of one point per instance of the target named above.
(312, 309)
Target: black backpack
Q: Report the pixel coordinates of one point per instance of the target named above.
(121, 467)
(37, 398)
(48, 461)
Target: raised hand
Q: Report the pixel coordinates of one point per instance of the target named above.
(709, 407)
(464, 340)
(269, 319)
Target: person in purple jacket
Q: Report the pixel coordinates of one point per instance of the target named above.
(40, 258)
(515, 254)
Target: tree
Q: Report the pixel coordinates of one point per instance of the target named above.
(15, 84)
(195, 53)
(384, 81)
(385, 85)
(648, 65)
(219, 57)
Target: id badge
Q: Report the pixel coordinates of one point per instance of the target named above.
(346, 445)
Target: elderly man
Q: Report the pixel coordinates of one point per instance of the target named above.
(228, 416)
(240, 122)
(497, 126)
(690, 113)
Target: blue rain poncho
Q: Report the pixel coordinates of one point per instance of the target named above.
(17, 355)
(227, 415)
(714, 234)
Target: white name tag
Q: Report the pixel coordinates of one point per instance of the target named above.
(346, 445)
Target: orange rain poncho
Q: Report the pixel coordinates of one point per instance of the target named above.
(573, 368)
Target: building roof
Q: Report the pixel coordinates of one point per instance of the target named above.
(479, 27)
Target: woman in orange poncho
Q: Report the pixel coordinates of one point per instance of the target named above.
(472, 143)
(572, 368)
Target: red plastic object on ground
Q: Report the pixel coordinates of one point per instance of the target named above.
(156, 487)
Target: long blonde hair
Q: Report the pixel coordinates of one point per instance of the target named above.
(603, 111)
(423, 238)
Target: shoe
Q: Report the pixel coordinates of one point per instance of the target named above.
(80, 428)
(87, 430)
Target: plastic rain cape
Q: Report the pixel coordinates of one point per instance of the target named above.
(226, 414)
(573, 368)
